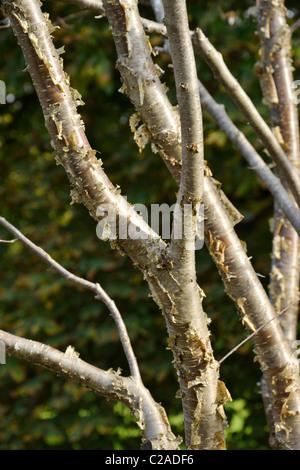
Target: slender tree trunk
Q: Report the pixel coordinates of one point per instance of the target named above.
(277, 85)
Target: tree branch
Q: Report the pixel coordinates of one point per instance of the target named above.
(158, 10)
(216, 63)
(94, 287)
(190, 189)
(8, 241)
(192, 173)
(295, 26)
(151, 417)
(273, 183)
(95, 6)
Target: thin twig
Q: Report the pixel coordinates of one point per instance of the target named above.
(295, 26)
(94, 287)
(256, 331)
(9, 241)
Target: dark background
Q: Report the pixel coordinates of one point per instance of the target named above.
(37, 409)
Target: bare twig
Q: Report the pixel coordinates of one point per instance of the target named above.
(94, 287)
(9, 241)
(95, 6)
(158, 10)
(255, 332)
(295, 26)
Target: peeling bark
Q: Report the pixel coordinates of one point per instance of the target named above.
(182, 304)
(189, 340)
(276, 77)
(194, 361)
(241, 281)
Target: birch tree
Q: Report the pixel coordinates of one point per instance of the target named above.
(176, 135)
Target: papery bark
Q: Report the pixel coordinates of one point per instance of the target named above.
(276, 78)
(241, 281)
(189, 336)
(201, 392)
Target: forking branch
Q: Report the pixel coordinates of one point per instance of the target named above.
(96, 288)
(150, 416)
(221, 72)
(131, 391)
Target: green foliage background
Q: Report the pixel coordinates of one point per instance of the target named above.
(37, 409)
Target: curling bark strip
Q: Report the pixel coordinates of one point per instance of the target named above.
(241, 281)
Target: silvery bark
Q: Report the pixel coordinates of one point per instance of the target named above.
(202, 394)
(242, 284)
(276, 76)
